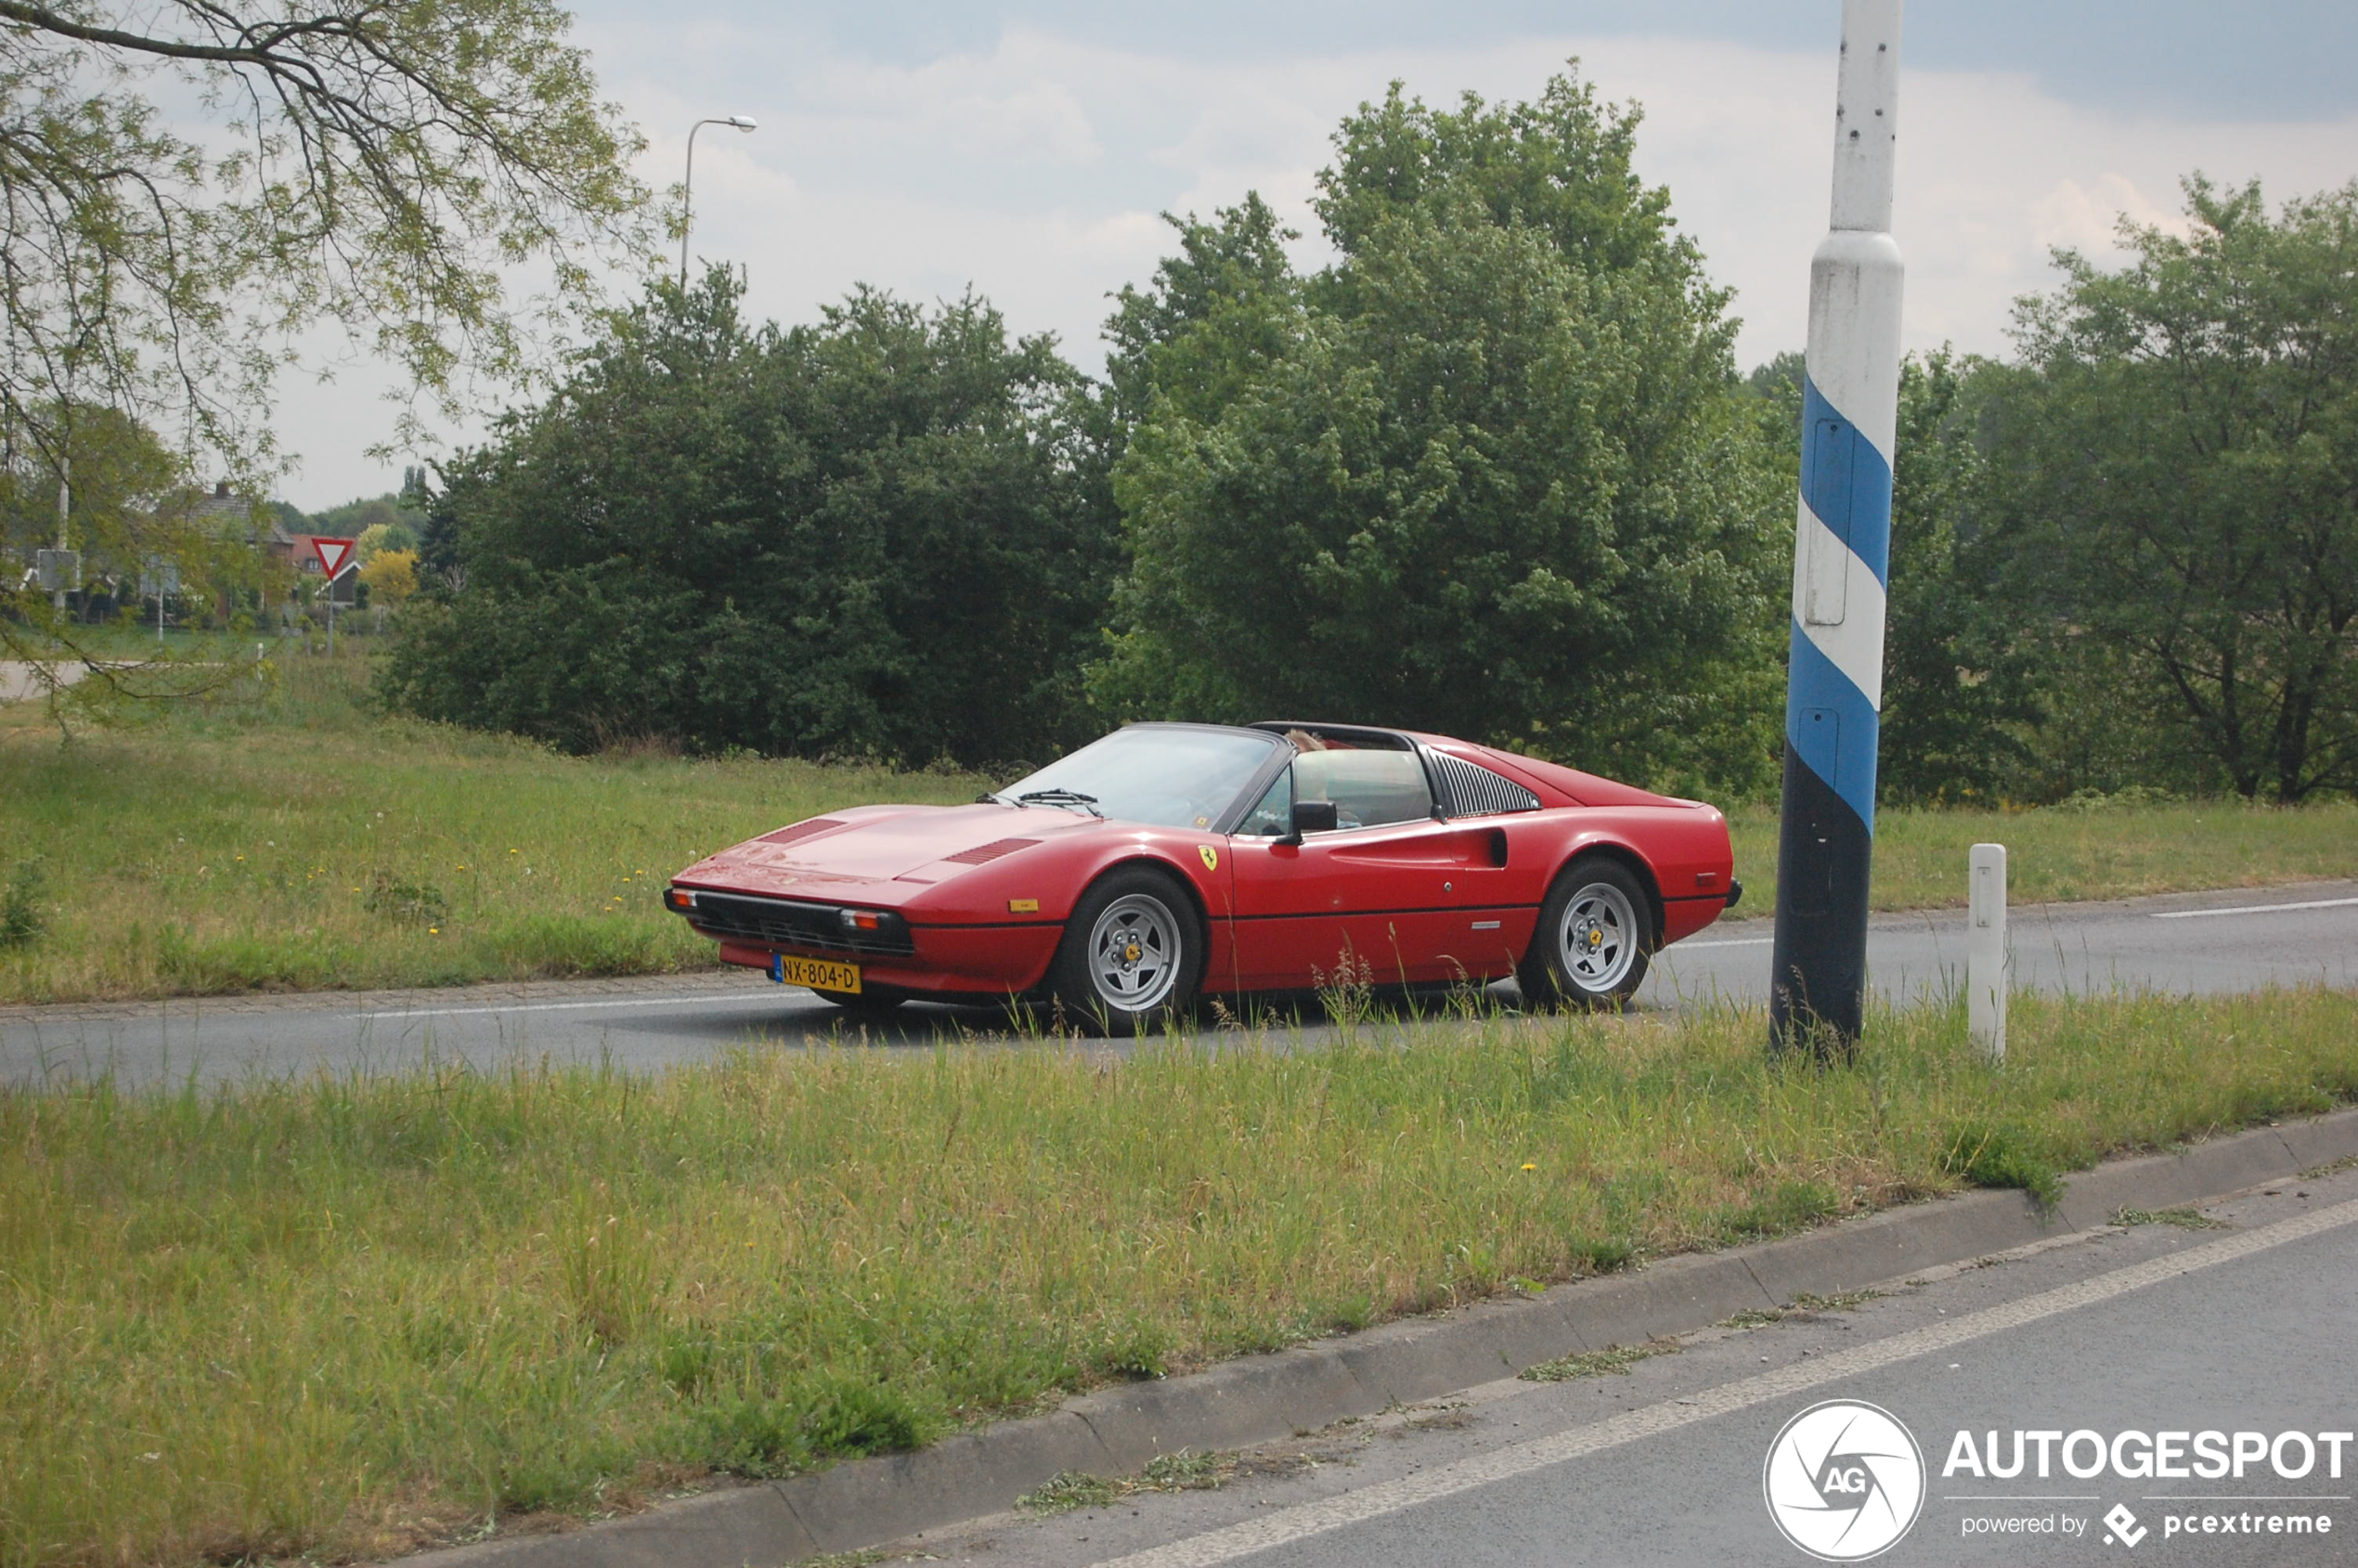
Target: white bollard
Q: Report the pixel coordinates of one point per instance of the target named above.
(1985, 951)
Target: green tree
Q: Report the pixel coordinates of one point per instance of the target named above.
(870, 535)
(1218, 313)
(1489, 477)
(379, 164)
(378, 538)
(2177, 462)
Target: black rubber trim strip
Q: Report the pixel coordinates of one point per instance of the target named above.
(1364, 914)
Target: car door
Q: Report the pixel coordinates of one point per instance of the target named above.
(1383, 896)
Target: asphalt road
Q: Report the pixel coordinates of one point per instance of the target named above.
(2191, 942)
(2149, 1330)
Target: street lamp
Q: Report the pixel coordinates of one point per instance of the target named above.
(688, 186)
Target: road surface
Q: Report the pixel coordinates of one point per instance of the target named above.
(2149, 1330)
(2182, 943)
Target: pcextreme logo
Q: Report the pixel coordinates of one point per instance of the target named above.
(1844, 1481)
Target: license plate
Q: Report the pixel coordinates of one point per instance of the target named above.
(819, 974)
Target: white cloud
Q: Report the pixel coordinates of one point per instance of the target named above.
(1034, 170)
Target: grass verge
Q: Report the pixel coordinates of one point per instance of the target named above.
(303, 842)
(349, 1316)
(2059, 854)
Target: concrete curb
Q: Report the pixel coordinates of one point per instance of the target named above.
(1257, 1399)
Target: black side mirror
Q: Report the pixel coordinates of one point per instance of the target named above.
(1309, 816)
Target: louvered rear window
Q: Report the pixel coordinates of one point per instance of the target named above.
(1475, 791)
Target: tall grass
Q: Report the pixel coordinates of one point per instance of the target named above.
(350, 1315)
(2061, 855)
(305, 841)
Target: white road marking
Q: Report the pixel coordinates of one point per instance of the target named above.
(1413, 1491)
(2253, 909)
(568, 1007)
(1738, 941)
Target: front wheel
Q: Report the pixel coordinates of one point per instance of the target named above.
(1595, 939)
(1132, 952)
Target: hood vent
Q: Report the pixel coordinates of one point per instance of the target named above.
(799, 830)
(983, 854)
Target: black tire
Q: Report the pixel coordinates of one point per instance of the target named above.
(870, 1003)
(1595, 939)
(1131, 953)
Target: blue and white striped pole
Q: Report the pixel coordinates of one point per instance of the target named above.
(1842, 550)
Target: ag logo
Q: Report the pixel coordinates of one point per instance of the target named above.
(1844, 1481)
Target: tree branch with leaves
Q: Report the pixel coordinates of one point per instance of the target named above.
(185, 186)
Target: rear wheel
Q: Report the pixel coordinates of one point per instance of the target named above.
(1595, 939)
(1131, 952)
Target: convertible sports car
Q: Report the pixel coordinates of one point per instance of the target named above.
(1169, 860)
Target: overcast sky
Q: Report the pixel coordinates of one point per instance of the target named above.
(1027, 148)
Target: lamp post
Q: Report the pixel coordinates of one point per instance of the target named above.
(688, 186)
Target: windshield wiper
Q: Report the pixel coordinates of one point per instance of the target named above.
(1062, 797)
(989, 797)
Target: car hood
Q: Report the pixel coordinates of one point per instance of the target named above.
(913, 845)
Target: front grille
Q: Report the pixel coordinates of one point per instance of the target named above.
(1475, 791)
(784, 922)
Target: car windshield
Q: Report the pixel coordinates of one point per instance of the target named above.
(1164, 776)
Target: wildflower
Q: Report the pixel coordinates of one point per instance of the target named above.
(434, 930)
(1531, 1165)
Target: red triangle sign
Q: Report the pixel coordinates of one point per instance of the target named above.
(334, 555)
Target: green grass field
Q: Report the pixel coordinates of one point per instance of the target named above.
(347, 1317)
(2061, 855)
(303, 841)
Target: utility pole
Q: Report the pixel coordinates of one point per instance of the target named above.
(1842, 550)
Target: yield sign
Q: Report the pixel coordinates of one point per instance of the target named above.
(334, 555)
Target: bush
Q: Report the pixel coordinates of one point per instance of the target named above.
(877, 537)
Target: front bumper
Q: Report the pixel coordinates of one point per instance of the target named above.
(974, 960)
(801, 925)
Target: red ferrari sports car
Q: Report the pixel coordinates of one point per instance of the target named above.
(1169, 860)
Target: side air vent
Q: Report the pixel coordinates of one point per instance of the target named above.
(1475, 791)
(799, 830)
(983, 854)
